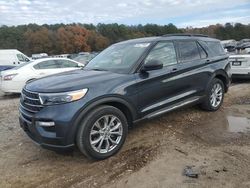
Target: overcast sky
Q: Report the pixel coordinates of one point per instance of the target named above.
(196, 13)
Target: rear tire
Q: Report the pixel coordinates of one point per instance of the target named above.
(214, 96)
(102, 132)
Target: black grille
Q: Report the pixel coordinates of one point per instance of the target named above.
(29, 104)
(32, 95)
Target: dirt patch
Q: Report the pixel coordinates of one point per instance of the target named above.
(243, 100)
(138, 158)
(154, 154)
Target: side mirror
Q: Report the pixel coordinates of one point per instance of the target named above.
(152, 65)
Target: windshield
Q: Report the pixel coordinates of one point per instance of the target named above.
(118, 58)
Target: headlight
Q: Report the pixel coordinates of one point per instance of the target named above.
(59, 98)
(9, 77)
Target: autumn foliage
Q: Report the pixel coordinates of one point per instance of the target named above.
(75, 38)
(72, 39)
(69, 39)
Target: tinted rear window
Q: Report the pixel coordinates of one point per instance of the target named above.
(188, 50)
(215, 48)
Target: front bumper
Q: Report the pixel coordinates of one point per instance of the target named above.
(47, 142)
(61, 135)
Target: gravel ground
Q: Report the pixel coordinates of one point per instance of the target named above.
(216, 145)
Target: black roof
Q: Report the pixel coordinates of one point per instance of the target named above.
(171, 37)
(185, 35)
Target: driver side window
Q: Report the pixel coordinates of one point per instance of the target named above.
(163, 52)
(20, 57)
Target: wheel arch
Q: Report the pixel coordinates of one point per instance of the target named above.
(221, 75)
(117, 102)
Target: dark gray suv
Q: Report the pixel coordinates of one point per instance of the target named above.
(128, 82)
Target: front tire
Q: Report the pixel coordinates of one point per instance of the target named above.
(214, 96)
(102, 132)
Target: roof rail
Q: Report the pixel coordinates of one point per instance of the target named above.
(185, 34)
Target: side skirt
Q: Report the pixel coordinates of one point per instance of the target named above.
(170, 108)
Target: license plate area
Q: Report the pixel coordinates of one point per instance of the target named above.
(236, 63)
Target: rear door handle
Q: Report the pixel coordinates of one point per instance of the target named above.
(174, 70)
(208, 61)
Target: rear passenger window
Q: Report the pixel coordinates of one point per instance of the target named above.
(163, 52)
(50, 64)
(215, 47)
(188, 50)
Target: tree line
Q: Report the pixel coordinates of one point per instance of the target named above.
(75, 38)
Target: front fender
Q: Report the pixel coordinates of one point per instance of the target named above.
(92, 105)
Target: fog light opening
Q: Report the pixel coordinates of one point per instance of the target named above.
(45, 124)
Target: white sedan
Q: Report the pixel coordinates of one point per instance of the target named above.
(13, 80)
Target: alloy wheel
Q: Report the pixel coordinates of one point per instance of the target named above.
(106, 133)
(216, 95)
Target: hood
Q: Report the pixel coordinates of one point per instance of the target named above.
(71, 81)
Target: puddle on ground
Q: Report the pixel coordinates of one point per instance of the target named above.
(232, 124)
(238, 118)
(238, 124)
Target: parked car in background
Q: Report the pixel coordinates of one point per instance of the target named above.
(244, 41)
(39, 56)
(85, 58)
(128, 82)
(243, 48)
(240, 65)
(63, 55)
(72, 56)
(240, 61)
(229, 45)
(12, 81)
(11, 58)
(247, 50)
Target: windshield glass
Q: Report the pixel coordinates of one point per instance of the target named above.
(118, 58)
